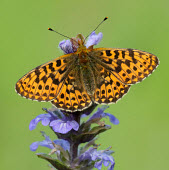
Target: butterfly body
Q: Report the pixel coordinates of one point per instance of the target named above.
(75, 80)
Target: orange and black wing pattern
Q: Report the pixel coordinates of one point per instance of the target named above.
(57, 81)
(117, 69)
(72, 95)
(44, 82)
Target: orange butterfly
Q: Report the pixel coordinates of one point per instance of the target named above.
(85, 75)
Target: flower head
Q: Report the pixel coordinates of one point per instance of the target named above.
(70, 46)
(44, 118)
(101, 114)
(57, 120)
(50, 144)
(99, 157)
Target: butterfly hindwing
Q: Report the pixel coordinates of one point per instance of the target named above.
(72, 96)
(44, 82)
(108, 88)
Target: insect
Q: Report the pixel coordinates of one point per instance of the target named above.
(86, 75)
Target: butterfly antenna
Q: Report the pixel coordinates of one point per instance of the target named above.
(96, 28)
(50, 29)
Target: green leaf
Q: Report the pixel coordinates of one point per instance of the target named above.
(99, 129)
(56, 163)
(88, 136)
(88, 124)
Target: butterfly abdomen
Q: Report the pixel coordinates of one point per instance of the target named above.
(88, 78)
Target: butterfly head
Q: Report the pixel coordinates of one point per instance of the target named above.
(78, 43)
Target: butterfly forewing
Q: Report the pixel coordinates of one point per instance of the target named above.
(127, 65)
(44, 82)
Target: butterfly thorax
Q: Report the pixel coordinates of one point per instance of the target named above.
(82, 54)
(79, 47)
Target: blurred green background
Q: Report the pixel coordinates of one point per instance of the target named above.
(141, 140)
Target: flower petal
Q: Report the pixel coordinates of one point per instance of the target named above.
(55, 122)
(112, 118)
(34, 146)
(32, 124)
(63, 143)
(47, 144)
(45, 118)
(94, 39)
(98, 165)
(74, 125)
(63, 127)
(106, 163)
(111, 167)
(87, 155)
(66, 46)
(45, 121)
(100, 114)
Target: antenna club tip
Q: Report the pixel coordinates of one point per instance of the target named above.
(105, 18)
(50, 29)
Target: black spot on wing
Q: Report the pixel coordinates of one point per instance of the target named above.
(52, 76)
(37, 80)
(58, 63)
(44, 78)
(62, 71)
(127, 62)
(108, 53)
(116, 54)
(40, 87)
(56, 81)
(51, 67)
(47, 87)
(123, 54)
(131, 54)
(37, 72)
(44, 69)
(118, 69)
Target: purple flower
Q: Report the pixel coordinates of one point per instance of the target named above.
(87, 154)
(64, 126)
(103, 158)
(99, 157)
(100, 114)
(48, 143)
(44, 118)
(94, 39)
(57, 120)
(70, 46)
(66, 46)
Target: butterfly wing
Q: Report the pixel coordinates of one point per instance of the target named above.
(117, 69)
(57, 81)
(127, 65)
(108, 88)
(45, 81)
(72, 96)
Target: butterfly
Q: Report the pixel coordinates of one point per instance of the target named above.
(86, 75)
